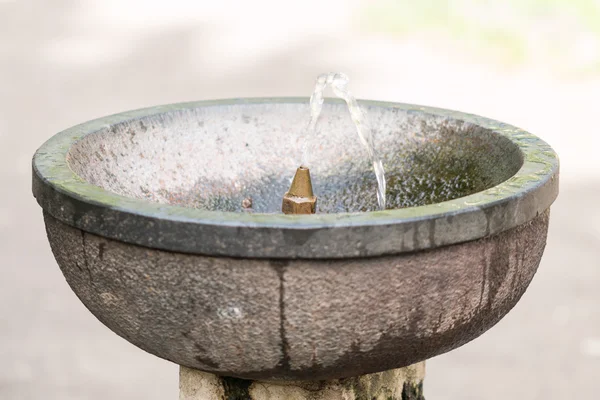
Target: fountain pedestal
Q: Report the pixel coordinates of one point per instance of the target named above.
(396, 384)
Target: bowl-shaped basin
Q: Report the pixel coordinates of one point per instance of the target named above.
(147, 216)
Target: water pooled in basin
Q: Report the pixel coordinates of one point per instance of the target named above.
(339, 84)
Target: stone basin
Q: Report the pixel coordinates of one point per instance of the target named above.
(146, 213)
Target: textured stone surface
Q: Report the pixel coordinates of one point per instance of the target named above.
(175, 177)
(210, 313)
(306, 319)
(398, 384)
(213, 156)
(198, 385)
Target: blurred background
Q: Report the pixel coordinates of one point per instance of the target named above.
(531, 63)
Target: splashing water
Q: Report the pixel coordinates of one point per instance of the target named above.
(339, 84)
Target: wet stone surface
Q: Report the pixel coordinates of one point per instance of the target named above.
(299, 319)
(215, 160)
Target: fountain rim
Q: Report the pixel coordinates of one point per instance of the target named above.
(72, 200)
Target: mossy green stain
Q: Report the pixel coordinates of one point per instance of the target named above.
(412, 391)
(51, 163)
(236, 388)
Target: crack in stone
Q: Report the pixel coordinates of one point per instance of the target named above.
(85, 258)
(285, 359)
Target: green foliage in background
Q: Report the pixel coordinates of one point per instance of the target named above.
(566, 32)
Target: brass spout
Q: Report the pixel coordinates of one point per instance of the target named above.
(299, 199)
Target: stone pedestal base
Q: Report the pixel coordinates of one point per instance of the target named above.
(397, 384)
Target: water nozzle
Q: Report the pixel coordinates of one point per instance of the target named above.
(299, 199)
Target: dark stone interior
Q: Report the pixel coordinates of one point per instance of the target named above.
(215, 157)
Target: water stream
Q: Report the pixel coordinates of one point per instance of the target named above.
(339, 84)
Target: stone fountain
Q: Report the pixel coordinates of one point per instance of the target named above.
(166, 222)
